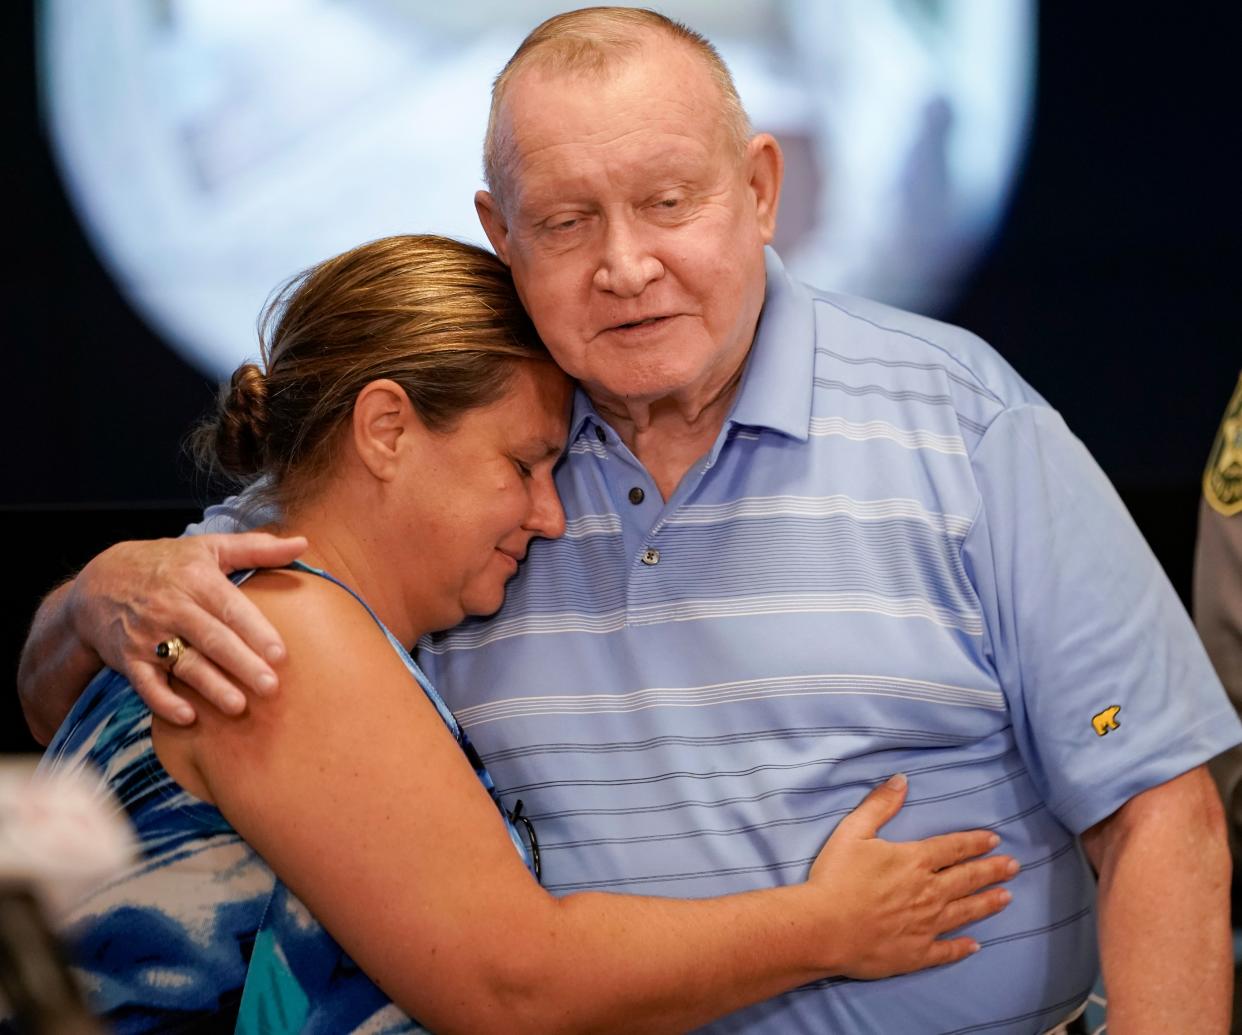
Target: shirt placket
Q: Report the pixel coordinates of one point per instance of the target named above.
(643, 512)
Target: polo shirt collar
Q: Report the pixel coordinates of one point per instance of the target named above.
(776, 386)
(583, 412)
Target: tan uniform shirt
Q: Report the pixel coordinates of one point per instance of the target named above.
(1217, 602)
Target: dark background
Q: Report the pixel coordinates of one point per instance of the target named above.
(1109, 288)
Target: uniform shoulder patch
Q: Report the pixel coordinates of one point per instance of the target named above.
(1222, 479)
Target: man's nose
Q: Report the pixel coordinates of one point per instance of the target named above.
(547, 516)
(626, 264)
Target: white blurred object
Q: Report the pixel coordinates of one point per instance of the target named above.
(61, 834)
(213, 148)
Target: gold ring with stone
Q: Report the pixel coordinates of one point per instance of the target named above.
(170, 651)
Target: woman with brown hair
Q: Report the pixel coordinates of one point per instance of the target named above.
(337, 859)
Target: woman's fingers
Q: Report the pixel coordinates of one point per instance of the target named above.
(949, 950)
(976, 907)
(938, 853)
(947, 850)
(903, 898)
(876, 809)
(968, 877)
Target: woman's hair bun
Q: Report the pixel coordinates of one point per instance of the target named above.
(438, 317)
(234, 440)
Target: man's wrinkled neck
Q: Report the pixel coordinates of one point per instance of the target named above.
(668, 434)
(634, 416)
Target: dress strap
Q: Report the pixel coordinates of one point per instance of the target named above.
(527, 847)
(450, 720)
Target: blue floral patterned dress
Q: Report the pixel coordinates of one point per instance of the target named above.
(200, 934)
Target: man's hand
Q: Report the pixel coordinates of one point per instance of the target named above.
(901, 897)
(133, 596)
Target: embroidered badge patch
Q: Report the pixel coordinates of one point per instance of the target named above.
(1222, 480)
(1105, 720)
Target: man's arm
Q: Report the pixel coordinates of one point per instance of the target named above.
(55, 666)
(132, 596)
(1165, 940)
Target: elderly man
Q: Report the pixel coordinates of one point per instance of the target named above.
(811, 541)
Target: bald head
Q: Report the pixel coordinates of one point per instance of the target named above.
(593, 42)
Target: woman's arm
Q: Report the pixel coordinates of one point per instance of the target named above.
(351, 788)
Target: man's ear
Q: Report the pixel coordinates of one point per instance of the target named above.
(765, 170)
(492, 217)
(384, 423)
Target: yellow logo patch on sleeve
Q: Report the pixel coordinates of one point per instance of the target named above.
(1105, 720)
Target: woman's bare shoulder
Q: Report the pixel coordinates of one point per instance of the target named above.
(312, 612)
(321, 625)
(333, 643)
(339, 679)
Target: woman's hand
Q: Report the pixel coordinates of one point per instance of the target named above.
(895, 900)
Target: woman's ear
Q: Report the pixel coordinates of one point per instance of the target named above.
(384, 425)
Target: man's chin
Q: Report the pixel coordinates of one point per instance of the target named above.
(624, 386)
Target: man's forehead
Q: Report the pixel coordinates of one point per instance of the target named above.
(546, 112)
(659, 73)
(564, 130)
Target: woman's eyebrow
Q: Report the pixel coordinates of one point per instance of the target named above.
(540, 448)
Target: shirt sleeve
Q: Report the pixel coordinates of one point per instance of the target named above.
(1108, 686)
(239, 513)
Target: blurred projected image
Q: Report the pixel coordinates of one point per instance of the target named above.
(214, 147)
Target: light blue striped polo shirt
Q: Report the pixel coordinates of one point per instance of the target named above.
(894, 558)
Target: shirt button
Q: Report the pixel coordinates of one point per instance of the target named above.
(637, 495)
(599, 434)
(651, 556)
